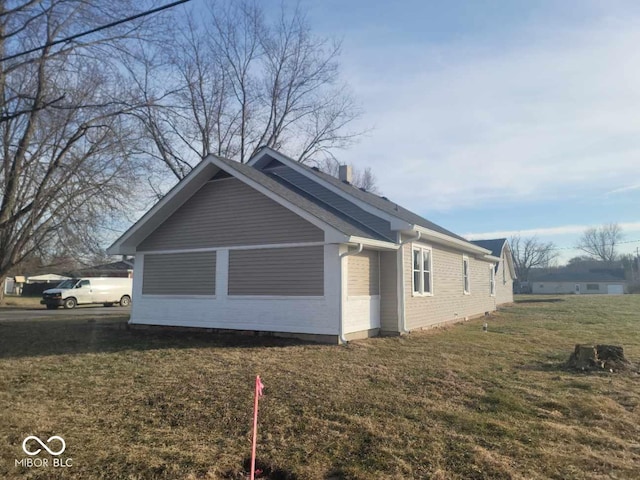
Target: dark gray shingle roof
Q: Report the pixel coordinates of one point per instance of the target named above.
(495, 245)
(325, 198)
(385, 205)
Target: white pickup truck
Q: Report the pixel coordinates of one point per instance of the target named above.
(79, 291)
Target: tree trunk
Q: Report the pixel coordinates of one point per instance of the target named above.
(598, 357)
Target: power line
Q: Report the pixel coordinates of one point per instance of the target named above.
(605, 245)
(94, 30)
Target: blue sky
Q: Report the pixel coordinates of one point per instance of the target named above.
(497, 117)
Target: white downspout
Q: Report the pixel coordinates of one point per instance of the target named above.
(402, 324)
(348, 253)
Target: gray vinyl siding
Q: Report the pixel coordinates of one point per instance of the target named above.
(179, 274)
(297, 271)
(389, 291)
(229, 212)
(448, 301)
(364, 274)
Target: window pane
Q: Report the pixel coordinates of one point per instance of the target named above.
(426, 260)
(416, 281)
(427, 282)
(466, 284)
(416, 259)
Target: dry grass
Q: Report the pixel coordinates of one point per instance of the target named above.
(457, 403)
(11, 301)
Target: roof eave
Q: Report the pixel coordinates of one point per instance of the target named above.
(450, 241)
(370, 242)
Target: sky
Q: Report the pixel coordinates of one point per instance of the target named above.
(493, 118)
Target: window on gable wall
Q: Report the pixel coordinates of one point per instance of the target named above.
(422, 280)
(492, 280)
(465, 274)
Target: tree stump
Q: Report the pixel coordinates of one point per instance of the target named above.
(597, 357)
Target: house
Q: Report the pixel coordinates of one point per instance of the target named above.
(579, 283)
(34, 285)
(275, 246)
(122, 268)
(505, 269)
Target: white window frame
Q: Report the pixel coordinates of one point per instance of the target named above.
(466, 277)
(492, 280)
(420, 292)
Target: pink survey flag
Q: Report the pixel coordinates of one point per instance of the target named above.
(259, 386)
(258, 394)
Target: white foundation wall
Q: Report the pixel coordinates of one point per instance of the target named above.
(361, 313)
(310, 315)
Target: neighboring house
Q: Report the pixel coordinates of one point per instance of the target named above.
(36, 284)
(504, 270)
(579, 283)
(122, 268)
(275, 246)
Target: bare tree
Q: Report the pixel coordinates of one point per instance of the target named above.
(601, 242)
(238, 81)
(364, 179)
(529, 253)
(67, 167)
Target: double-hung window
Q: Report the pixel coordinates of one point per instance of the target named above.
(465, 275)
(422, 271)
(492, 280)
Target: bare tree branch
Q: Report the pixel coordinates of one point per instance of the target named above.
(240, 82)
(529, 253)
(601, 242)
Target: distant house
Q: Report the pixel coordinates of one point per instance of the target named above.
(122, 268)
(275, 246)
(579, 283)
(36, 284)
(504, 269)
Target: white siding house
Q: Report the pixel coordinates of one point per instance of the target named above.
(579, 283)
(275, 246)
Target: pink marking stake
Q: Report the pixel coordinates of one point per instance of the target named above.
(258, 394)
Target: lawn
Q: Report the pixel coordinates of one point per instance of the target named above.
(446, 403)
(11, 301)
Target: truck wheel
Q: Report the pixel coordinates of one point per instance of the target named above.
(125, 301)
(70, 303)
(51, 307)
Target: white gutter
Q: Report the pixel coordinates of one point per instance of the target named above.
(348, 253)
(451, 241)
(401, 310)
(369, 242)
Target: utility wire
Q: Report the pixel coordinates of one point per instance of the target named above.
(94, 30)
(605, 245)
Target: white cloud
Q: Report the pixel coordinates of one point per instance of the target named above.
(628, 188)
(549, 118)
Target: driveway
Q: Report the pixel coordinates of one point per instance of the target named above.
(88, 311)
